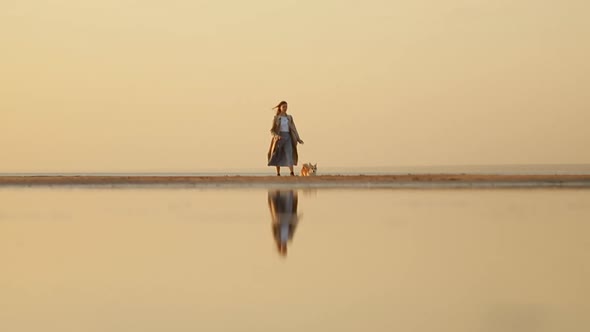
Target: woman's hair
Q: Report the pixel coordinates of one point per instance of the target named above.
(278, 107)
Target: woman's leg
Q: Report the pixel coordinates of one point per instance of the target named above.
(278, 170)
(291, 169)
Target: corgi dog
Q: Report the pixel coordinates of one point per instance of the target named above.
(309, 169)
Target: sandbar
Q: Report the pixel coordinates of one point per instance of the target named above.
(386, 180)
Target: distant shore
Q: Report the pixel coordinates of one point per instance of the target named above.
(386, 181)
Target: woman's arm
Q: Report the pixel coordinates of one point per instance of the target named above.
(274, 129)
(294, 129)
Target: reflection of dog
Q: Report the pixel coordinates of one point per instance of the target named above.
(309, 169)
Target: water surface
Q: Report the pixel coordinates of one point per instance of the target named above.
(155, 259)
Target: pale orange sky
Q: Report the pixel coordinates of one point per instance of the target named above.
(113, 86)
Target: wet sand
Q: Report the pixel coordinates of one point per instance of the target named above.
(407, 180)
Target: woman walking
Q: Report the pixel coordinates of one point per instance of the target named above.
(283, 146)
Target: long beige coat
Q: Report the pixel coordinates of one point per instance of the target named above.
(274, 130)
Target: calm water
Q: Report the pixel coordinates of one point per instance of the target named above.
(156, 259)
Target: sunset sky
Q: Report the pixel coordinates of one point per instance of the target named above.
(179, 85)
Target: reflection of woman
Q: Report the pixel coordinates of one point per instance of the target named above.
(283, 147)
(283, 211)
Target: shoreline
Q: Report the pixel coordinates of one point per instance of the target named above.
(355, 181)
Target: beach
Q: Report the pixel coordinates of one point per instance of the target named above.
(406, 180)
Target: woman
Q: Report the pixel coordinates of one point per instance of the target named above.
(283, 146)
